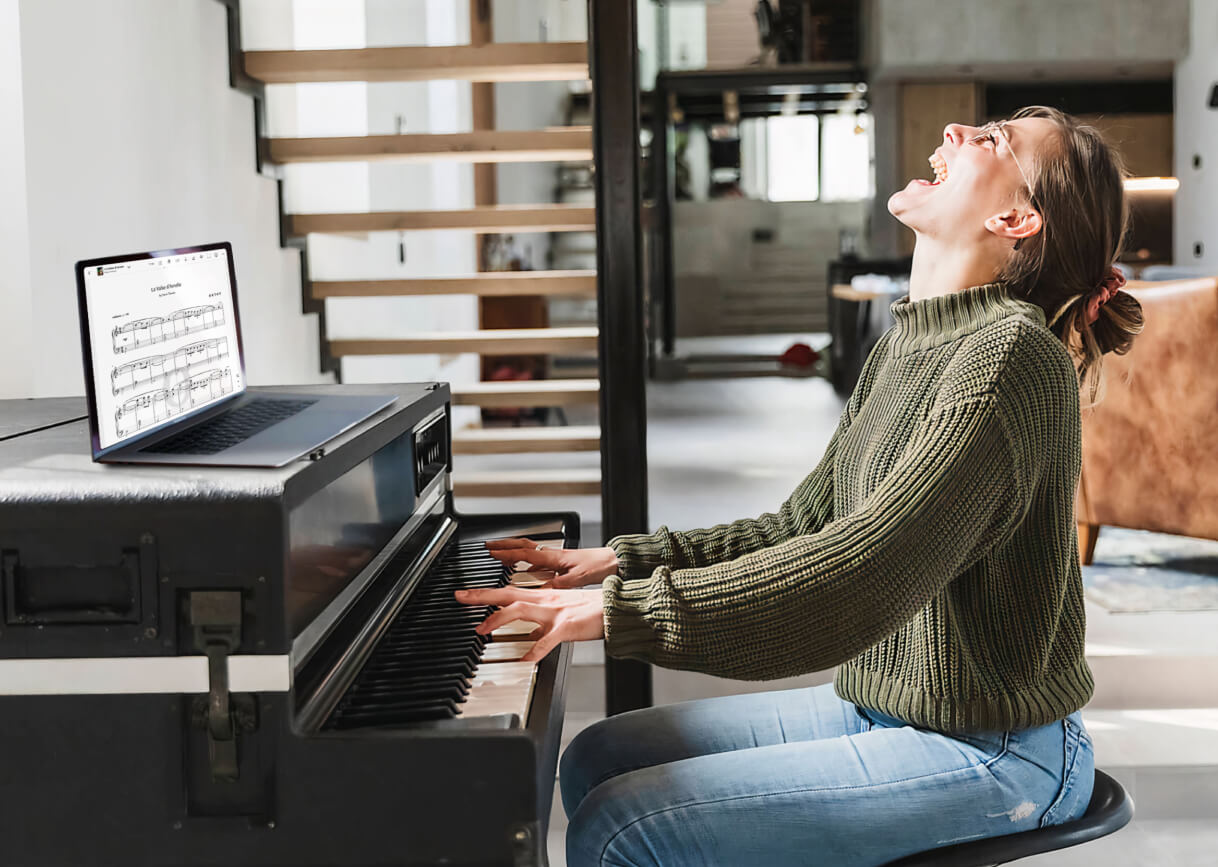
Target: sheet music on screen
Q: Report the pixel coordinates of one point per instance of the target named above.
(164, 339)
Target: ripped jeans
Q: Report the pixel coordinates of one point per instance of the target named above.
(801, 777)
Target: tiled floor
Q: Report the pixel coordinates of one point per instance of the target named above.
(723, 449)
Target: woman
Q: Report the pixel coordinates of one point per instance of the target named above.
(931, 556)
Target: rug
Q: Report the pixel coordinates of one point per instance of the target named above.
(1137, 570)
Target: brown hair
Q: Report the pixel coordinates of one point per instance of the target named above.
(1079, 192)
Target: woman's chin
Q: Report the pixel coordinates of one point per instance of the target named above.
(899, 204)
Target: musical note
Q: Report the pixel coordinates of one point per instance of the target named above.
(158, 329)
(154, 407)
(163, 368)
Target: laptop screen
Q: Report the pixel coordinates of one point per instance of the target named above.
(162, 339)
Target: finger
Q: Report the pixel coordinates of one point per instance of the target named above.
(490, 595)
(512, 613)
(544, 645)
(496, 544)
(566, 582)
(532, 556)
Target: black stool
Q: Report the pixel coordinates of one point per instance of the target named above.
(1110, 810)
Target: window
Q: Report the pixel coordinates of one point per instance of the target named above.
(846, 173)
(792, 149)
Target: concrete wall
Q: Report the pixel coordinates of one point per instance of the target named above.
(1196, 144)
(1038, 38)
(961, 41)
(127, 138)
(728, 281)
(732, 38)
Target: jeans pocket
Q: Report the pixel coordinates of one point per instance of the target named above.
(1078, 777)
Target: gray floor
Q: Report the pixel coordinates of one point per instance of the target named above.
(723, 449)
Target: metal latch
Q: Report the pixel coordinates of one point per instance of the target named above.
(215, 618)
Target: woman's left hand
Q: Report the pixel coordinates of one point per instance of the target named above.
(561, 615)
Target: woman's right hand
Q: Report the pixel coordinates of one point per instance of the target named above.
(573, 567)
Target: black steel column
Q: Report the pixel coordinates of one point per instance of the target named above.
(613, 56)
(663, 156)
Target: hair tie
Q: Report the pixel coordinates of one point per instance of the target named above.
(1109, 286)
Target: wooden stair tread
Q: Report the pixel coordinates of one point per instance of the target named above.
(481, 146)
(519, 440)
(485, 284)
(527, 393)
(500, 341)
(549, 482)
(494, 61)
(486, 219)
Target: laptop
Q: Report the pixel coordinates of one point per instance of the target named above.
(165, 373)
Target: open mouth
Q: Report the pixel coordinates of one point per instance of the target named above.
(940, 168)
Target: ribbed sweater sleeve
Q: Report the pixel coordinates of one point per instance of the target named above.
(817, 599)
(808, 509)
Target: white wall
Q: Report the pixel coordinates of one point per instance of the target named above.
(533, 105)
(1196, 134)
(16, 312)
(133, 140)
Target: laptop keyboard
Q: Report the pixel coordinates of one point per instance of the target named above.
(224, 431)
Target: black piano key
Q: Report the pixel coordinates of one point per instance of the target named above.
(423, 713)
(385, 698)
(421, 668)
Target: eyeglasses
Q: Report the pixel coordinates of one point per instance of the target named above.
(998, 127)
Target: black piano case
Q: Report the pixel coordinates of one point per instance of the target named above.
(173, 638)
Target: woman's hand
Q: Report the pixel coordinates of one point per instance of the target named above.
(576, 567)
(560, 614)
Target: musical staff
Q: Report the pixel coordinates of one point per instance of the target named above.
(154, 407)
(158, 329)
(163, 368)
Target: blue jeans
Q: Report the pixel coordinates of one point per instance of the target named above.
(801, 777)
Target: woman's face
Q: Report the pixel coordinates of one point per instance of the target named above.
(980, 191)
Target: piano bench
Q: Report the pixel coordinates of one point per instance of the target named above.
(1110, 810)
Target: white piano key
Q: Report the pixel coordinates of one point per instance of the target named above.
(530, 579)
(491, 696)
(505, 651)
(517, 630)
(504, 673)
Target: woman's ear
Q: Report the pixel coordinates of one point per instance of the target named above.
(1015, 224)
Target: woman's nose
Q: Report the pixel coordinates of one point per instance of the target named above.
(956, 134)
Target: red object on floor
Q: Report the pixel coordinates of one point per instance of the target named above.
(799, 355)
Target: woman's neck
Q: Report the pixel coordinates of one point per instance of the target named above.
(939, 268)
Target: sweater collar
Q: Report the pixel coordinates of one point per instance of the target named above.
(943, 318)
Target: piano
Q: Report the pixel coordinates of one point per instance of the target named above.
(248, 667)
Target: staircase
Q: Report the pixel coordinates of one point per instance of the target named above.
(319, 230)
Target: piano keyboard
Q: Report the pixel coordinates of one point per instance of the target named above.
(432, 665)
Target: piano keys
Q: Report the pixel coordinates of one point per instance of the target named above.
(289, 680)
(431, 665)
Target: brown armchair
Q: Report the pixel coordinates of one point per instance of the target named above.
(1150, 447)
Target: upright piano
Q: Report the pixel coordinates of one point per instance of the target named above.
(248, 667)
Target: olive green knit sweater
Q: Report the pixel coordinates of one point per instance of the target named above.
(932, 554)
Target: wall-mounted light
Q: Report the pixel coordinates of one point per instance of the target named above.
(1141, 184)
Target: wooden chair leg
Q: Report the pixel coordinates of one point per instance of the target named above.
(1088, 534)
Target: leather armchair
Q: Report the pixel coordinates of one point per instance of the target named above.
(1150, 447)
